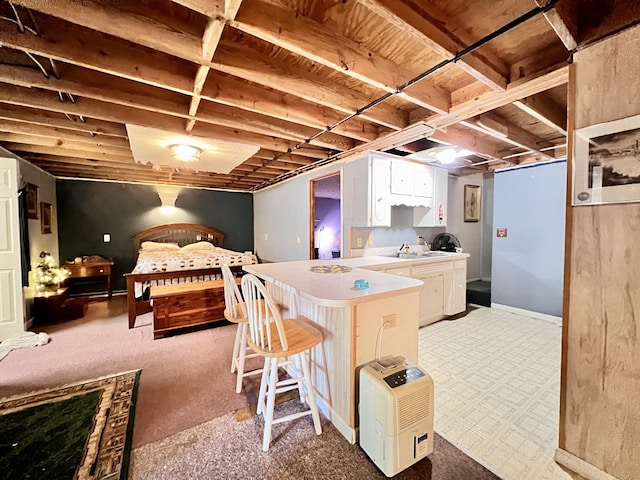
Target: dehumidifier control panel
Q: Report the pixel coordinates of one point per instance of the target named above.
(403, 377)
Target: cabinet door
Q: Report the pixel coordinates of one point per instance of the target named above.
(457, 301)
(431, 300)
(402, 182)
(379, 208)
(440, 197)
(423, 181)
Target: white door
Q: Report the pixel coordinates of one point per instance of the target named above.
(379, 208)
(11, 298)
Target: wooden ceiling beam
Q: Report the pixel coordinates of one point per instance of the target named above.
(52, 119)
(563, 18)
(100, 86)
(250, 121)
(87, 48)
(235, 92)
(208, 8)
(110, 89)
(435, 37)
(493, 125)
(64, 144)
(470, 140)
(524, 87)
(240, 61)
(94, 109)
(139, 29)
(301, 35)
(292, 158)
(210, 40)
(545, 110)
(8, 126)
(63, 151)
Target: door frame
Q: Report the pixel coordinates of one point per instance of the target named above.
(312, 209)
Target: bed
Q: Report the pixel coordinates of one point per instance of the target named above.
(177, 253)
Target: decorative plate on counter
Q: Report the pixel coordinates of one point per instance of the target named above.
(330, 269)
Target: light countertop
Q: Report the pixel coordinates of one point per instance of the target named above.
(336, 289)
(333, 289)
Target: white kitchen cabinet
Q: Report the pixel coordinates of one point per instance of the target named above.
(402, 177)
(457, 291)
(445, 286)
(440, 197)
(423, 181)
(379, 207)
(366, 190)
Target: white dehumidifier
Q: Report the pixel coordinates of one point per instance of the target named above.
(396, 414)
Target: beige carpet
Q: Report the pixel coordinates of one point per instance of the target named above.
(226, 448)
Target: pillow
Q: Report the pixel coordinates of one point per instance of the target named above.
(158, 246)
(198, 246)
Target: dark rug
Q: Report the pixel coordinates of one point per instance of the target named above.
(79, 431)
(230, 447)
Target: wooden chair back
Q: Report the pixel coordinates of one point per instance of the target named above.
(232, 297)
(262, 314)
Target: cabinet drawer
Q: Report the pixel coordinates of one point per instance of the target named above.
(430, 269)
(460, 264)
(88, 270)
(404, 271)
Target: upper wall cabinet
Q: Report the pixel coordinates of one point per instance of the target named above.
(375, 182)
(435, 213)
(366, 191)
(412, 184)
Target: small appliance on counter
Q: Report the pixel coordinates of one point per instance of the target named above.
(396, 413)
(445, 242)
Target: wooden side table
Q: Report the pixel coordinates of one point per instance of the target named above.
(92, 266)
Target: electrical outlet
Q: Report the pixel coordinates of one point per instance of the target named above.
(389, 321)
(106, 238)
(370, 241)
(266, 237)
(359, 242)
(298, 239)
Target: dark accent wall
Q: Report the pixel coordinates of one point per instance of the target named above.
(88, 210)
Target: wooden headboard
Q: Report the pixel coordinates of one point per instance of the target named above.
(180, 233)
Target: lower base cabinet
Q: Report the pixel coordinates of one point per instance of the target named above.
(445, 287)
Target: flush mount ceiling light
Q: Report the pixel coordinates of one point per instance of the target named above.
(185, 153)
(448, 155)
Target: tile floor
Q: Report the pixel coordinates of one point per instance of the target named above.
(497, 380)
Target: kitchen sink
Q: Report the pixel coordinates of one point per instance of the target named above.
(418, 254)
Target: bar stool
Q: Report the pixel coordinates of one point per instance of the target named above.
(281, 342)
(236, 312)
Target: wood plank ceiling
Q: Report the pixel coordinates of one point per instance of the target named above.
(304, 80)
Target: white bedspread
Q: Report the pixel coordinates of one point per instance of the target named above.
(184, 260)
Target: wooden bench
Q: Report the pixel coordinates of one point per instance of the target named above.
(187, 304)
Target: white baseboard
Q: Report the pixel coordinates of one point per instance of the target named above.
(579, 466)
(473, 279)
(486, 279)
(343, 427)
(528, 313)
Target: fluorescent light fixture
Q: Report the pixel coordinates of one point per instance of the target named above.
(185, 153)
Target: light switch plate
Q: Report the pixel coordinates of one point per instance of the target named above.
(106, 238)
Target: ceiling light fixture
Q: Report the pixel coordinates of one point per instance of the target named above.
(448, 155)
(185, 153)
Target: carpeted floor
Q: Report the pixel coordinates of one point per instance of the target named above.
(186, 379)
(183, 428)
(226, 448)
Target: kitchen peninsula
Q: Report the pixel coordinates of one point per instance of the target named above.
(351, 321)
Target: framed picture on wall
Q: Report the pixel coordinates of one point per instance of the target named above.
(32, 200)
(472, 203)
(45, 217)
(606, 162)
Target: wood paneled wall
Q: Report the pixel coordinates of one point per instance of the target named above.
(600, 399)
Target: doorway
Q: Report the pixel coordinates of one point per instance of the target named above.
(325, 223)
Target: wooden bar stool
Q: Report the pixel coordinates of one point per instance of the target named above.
(236, 312)
(281, 342)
